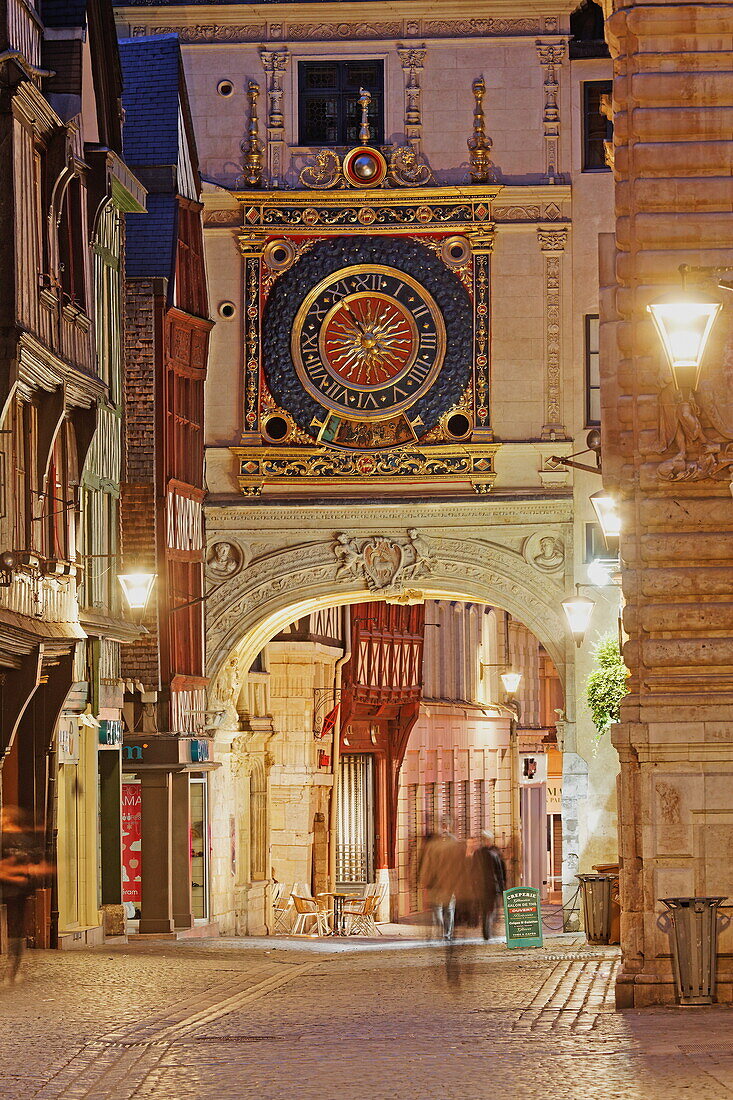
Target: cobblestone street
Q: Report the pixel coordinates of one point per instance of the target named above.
(213, 1019)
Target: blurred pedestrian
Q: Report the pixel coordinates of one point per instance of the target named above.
(20, 867)
(489, 878)
(441, 867)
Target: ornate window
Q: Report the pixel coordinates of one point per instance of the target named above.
(328, 101)
(596, 127)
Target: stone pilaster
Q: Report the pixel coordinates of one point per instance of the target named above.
(663, 456)
(551, 56)
(413, 60)
(552, 240)
(482, 245)
(251, 245)
(275, 62)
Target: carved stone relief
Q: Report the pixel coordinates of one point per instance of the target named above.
(261, 599)
(329, 32)
(224, 560)
(696, 428)
(386, 564)
(275, 62)
(545, 551)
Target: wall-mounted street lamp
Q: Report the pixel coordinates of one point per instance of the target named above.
(603, 572)
(684, 321)
(136, 588)
(578, 610)
(511, 681)
(8, 564)
(509, 678)
(606, 509)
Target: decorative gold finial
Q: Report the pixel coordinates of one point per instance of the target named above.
(482, 170)
(365, 99)
(252, 147)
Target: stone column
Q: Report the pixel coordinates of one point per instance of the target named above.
(181, 850)
(157, 893)
(664, 456)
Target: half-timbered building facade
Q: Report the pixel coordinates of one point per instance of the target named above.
(64, 188)
(167, 332)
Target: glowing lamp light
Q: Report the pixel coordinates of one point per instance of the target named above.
(136, 588)
(606, 509)
(578, 610)
(683, 322)
(511, 681)
(600, 571)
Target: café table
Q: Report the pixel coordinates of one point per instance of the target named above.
(339, 923)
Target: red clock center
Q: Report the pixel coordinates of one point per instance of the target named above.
(368, 339)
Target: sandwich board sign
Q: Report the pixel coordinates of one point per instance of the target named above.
(523, 917)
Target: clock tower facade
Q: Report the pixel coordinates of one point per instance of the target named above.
(402, 221)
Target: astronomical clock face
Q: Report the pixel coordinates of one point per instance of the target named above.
(368, 342)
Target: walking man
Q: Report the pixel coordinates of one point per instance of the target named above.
(489, 877)
(440, 871)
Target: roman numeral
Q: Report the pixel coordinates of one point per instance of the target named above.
(367, 281)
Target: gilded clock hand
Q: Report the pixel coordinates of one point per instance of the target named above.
(353, 317)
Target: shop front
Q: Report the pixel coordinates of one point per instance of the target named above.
(165, 834)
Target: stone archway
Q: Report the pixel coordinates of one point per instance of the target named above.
(278, 583)
(279, 564)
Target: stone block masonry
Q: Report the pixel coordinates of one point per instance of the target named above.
(673, 166)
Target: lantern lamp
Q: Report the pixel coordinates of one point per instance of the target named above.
(606, 509)
(683, 322)
(578, 610)
(136, 588)
(511, 681)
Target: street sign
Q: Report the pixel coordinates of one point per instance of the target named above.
(523, 917)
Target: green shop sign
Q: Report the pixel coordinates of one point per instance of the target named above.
(523, 917)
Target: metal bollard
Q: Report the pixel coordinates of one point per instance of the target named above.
(694, 947)
(596, 891)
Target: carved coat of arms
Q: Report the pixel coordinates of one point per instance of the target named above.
(386, 564)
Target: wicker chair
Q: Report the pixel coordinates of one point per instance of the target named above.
(282, 908)
(307, 914)
(360, 917)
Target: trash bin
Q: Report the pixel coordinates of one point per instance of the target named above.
(597, 906)
(694, 947)
(612, 869)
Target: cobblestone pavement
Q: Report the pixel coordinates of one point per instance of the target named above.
(220, 1019)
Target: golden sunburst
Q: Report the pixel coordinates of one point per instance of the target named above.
(369, 340)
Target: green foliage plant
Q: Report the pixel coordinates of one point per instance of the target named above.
(606, 685)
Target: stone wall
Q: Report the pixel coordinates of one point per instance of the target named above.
(664, 457)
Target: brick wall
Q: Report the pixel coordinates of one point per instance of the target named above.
(139, 381)
(140, 661)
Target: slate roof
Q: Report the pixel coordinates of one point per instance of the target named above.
(151, 75)
(151, 69)
(63, 13)
(151, 239)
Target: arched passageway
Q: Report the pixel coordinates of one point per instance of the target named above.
(289, 585)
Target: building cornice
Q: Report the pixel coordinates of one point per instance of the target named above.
(393, 19)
